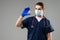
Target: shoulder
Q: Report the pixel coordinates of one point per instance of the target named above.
(46, 19)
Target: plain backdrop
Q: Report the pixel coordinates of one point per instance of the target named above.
(10, 10)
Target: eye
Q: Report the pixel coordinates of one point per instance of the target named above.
(39, 9)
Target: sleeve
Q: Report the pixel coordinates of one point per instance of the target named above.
(49, 28)
(25, 23)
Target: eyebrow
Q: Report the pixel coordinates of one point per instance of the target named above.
(38, 8)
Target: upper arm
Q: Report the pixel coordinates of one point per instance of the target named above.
(25, 23)
(49, 27)
(49, 36)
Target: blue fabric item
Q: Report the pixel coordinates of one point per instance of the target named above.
(39, 30)
(25, 12)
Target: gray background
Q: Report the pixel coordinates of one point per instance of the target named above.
(10, 10)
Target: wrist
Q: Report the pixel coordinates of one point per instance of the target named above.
(21, 17)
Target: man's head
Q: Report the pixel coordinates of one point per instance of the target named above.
(39, 8)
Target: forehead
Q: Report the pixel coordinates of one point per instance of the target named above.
(38, 6)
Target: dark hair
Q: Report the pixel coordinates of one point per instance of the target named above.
(40, 4)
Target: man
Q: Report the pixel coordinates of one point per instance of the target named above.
(39, 27)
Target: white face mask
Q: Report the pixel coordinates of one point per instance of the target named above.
(39, 12)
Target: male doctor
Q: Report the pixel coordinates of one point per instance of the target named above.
(38, 26)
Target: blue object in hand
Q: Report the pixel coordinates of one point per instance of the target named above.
(25, 12)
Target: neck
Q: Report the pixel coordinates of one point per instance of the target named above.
(40, 16)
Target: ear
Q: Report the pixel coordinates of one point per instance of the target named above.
(43, 9)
